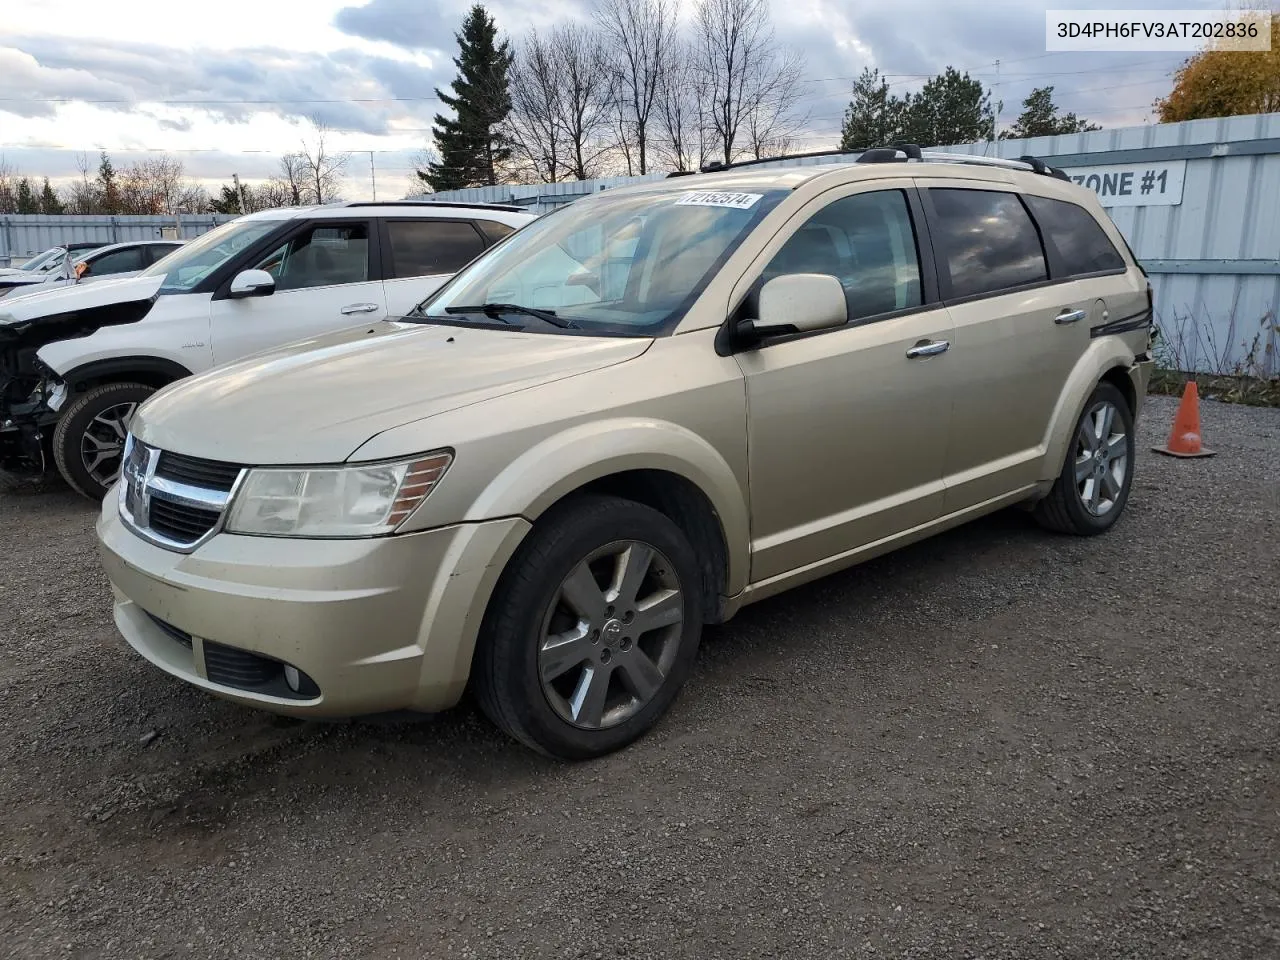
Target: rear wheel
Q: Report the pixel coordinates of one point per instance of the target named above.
(1093, 488)
(592, 630)
(88, 442)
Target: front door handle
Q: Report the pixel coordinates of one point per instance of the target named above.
(351, 308)
(928, 348)
(1069, 316)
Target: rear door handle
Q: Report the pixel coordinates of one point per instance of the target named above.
(928, 348)
(351, 308)
(1069, 316)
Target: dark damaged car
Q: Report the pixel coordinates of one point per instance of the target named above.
(75, 362)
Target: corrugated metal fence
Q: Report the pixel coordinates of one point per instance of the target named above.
(1199, 203)
(24, 235)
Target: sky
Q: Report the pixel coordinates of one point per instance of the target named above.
(229, 87)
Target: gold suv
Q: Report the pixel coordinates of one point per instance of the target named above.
(630, 418)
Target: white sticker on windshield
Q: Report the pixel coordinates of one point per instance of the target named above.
(710, 198)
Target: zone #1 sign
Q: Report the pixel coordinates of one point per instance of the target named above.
(1133, 184)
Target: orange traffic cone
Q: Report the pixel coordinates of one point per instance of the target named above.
(1184, 438)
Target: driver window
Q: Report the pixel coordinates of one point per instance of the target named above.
(866, 241)
(322, 256)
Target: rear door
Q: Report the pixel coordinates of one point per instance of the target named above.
(1018, 335)
(421, 254)
(327, 277)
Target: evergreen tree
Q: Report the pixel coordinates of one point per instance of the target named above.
(470, 145)
(1039, 118)
(951, 108)
(873, 116)
(25, 199)
(49, 202)
(108, 187)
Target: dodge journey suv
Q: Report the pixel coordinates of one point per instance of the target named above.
(627, 420)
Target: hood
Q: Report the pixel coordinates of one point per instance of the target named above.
(77, 298)
(317, 401)
(24, 278)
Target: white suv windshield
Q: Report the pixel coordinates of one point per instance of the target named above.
(628, 264)
(192, 262)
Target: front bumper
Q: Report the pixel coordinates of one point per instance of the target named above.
(378, 624)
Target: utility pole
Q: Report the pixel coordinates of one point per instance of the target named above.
(373, 177)
(235, 178)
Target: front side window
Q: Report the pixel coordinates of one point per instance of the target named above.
(194, 261)
(117, 261)
(987, 241)
(625, 264)
(867, 242)
(322, 255)
(1079, 240)
(422, 248)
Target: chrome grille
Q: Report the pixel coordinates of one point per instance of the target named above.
(173, 500)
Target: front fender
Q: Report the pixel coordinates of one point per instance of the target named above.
(568, 460)
(1103, 355)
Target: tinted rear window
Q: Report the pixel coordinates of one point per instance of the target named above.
(987, 241)
(420, 248)
(494, 230)
(1080, 241)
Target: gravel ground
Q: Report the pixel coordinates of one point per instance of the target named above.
(999, 743)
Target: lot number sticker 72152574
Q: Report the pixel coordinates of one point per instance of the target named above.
(711, 198)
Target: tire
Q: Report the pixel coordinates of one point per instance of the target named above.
(1087, 503)
(87, 424)
(546, 591)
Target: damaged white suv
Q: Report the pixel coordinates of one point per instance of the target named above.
(75, 362)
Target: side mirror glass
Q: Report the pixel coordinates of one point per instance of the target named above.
(252, 283)
(800, 303)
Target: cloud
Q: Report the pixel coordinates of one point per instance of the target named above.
(418, 26)
(348, 90)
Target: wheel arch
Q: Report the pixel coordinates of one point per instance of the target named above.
(1107, 359)
(149, 371)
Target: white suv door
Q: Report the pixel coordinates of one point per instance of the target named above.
(325, 280)
(421, 254)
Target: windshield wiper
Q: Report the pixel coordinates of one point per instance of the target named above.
(495, 310)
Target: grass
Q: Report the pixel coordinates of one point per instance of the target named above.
(1185, 345)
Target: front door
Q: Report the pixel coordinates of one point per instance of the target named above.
(323, 283)
(847, 427)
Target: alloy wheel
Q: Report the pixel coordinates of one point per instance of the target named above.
(1102, 458)
(611, 635)
(102, 444)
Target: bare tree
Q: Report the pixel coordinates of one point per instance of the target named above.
(82, 194)
(534, 123)
(682, 138)
(8, 188)
(638, 39)
(744, 72)
(772, 117)
(158, 185)
(322, 168)
(586, 99)
(290, 187)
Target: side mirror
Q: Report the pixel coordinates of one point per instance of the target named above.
(252, 283)
(799, 303)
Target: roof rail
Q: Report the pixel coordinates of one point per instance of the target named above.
(911, 152)
(717, 165)
(466, 204)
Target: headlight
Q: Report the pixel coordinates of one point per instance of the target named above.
(363, 500)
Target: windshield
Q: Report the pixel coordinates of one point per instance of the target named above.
(192, 262)
(628, 264)
(44, 262)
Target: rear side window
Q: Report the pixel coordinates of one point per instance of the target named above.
(420, 248)
(1081, 243)
(987, 240)
(494, 230)
(118, 261)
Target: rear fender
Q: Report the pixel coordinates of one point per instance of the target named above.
(1104, 354)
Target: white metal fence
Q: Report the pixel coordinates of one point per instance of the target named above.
(24, 235)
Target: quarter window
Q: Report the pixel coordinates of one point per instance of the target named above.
(987, 240)
(866, 241)
(420, 248)
(322, 256)
(1081, 243)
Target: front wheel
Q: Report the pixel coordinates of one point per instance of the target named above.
(1090, 493)
(592, 630)
(88, 442)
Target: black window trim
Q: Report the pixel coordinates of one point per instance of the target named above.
(220, 282)
(728, 343)
(388, 262)
(1057, 270)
